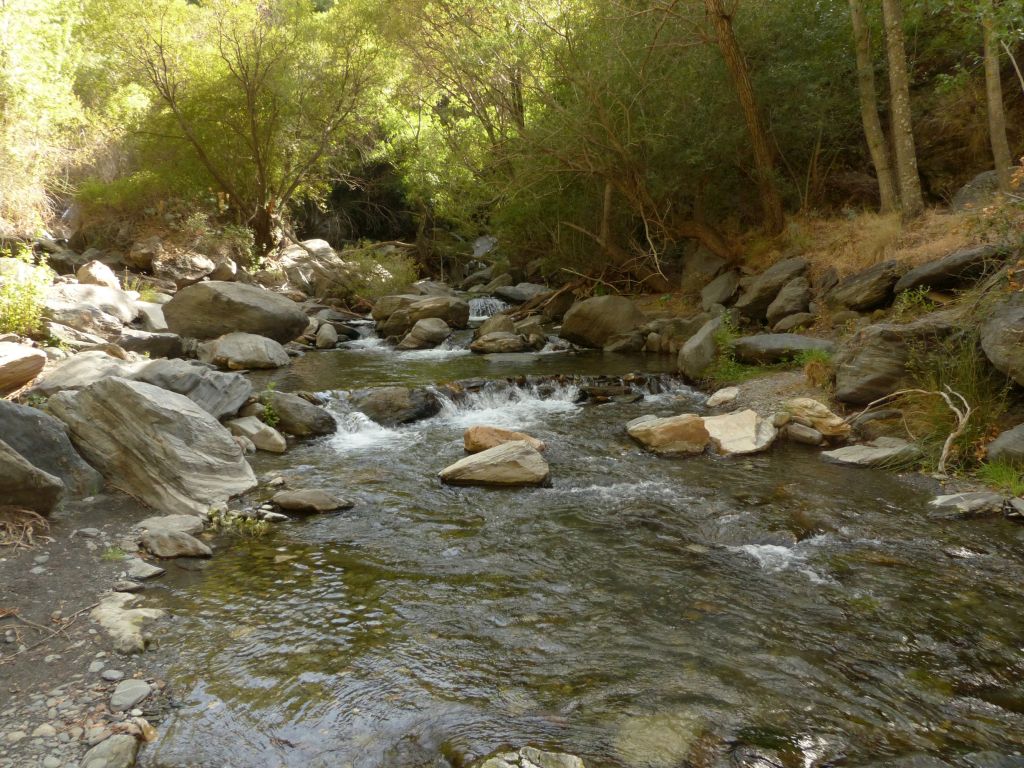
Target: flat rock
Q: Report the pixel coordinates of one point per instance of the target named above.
(960, 268)
(123, 623)
(767, 348)
(212, 309)
(169, 543)
(510, 464)
(139, 569)
(310, 501)
(118, 751)
(19, 364)
(883, 452)
(685, 434)
(966, 505)
(24, 485)
(243, 351)
(481, 437)
(128, 693)
(740, 433)
(190, 524)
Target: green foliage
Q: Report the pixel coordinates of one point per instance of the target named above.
(912, 304)
(270, 415)
(1003, 476)
(23, 287)
(727, 369)
(228, 521)
(114, 554)
(379, 271)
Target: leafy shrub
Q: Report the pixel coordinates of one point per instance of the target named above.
(379, 272)
(912, 303)
(817, 365)
(22, 291)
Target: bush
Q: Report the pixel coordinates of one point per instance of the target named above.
(22, 291)
(379, 272)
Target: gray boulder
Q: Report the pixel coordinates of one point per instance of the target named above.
(310, 501)
(114, 302)
(297, 416)
(720, 290)
(390, 406)
(959, 268)
(978, 192)
(168, 543)
(499, 323)
(326, 336)
(794, 297)
(212, 309)
(97, 273)
(767, 348)
(590, 323)
(243, 351)
(625, 342)
(43, 441)
(19, 364)
(84, 318)
(151, 316)
(868, 289)
(27, 486)
(156, 445)
(792, 322)
(182, 267)
(763, 289)
(386, 306)
(454, 311)
(700, 350)
(511, 464)
(152, 344)
(1002, 336)
(500, 343)
(700, 268)
(426, 334)
(520, 293)
(1009, 446)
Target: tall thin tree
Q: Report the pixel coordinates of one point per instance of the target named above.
(877, 144)
(902, 121)
(994, 97)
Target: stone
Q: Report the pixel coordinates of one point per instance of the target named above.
(1002, 336)
(968, 505)
(500, 343)
(762, 290)
(243, 351)
(313, 500)
(110, 301)
(481, 437)
(190, 524)
(554, 308)
(685, 434)
(98, 273)
(979, 192)
(520, 293)
(23, 485)
(152, 345)
(868, 289)
(723, 397)
(499, 323)
(432, 288)
(168, 543)
(112, 675)
(140, 256)
(800, 433)
(873, 362)
(810, 413)
(182, 267)
(43, 441)
(386, 306)
(591, 322)
(960, 268)
(124, 624)
(263, 436)
(882, 452)
(118, 751)
(768, 348)
(212, 309)
(70, 338)
(141, 570)
(391, 406)
(625, 342)
(426, 334)
(156, 445)
(151, 316)
(454, 311)
(792, 322)
(19, 364)
(225, 269)
(700, 268)
(1008, 446)
(720, 290)
(326, 336)
(516, 463)
(299, 417)
(700, 350)
(44, 731)
(740, 433)
(531, 326)
(794, 297)
(83, 318)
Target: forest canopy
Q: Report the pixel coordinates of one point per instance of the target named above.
(587, 135)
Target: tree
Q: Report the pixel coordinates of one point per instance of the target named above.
(764, 159)
(994, 97)
(259, 92)
(877, 144)
(902, 120)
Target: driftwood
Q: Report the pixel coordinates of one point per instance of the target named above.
(540, 301)
(961, 411)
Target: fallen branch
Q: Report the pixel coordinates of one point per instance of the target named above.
(66, 624)
(18, 527)
(542, 300)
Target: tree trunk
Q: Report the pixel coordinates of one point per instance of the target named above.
(764, 159)
(877, 144)
(994, 96)
(899, 94)
(262, 226)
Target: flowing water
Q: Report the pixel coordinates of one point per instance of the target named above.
(640, 612)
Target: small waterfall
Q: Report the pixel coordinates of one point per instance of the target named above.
(482, 307)
(508, 405)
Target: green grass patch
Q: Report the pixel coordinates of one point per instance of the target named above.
(1003, 476)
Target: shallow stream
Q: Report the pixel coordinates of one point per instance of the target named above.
(640, 612)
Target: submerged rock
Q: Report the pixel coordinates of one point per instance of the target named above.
(313, 500)
(531, 757)
(965, 505)
(516, 463)
(685, 434)
(482, 437)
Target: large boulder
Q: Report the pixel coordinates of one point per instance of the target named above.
(516, 463)
(481, 437)
(1009, 446)
(19, 364)
(499, 323)
(299, 417)
(111, 301)
(763, 289)
(868, 289)
(314, 268)
(521, 293)
(396, 405)
(156, 445)
(794, 298)
(768, 348)
(426, 334)
(98, 273)
(212, 309)
(151, 316)
(454, 311)
(700, 268)
(959, 268)
(873, 362)
(1002, 336)
(27, 486)
(720, 290)
(685, 434)
(84, 318)
(591, 322)
(150, 344)
(43, 441)
(243, 351)
(500, 343)
(700, 350)
(182, 267)
(386, 306)
(740, 432)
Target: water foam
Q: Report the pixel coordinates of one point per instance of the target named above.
(774, 558)
(357, 431)
(482, 307)
(508, 406)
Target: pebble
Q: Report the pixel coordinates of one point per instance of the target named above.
(51, 762)
(112, 675)
(51, 658)
(37, 570)
(45, 731)
(128, 693)
(89, 533)
(40, 559)
(15, 736)
(96, 666)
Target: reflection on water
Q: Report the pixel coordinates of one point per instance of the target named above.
(641, 612)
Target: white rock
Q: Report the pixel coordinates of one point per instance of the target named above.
(263, 436)
(723, 397)
(98, 273)
(740, 433)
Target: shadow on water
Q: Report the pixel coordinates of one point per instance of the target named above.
(640, 612)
